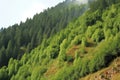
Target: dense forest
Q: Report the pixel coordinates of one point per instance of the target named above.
(18, 39)
(65, 42)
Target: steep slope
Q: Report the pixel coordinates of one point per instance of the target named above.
(18, 39)
(86, 45)
(110, 73)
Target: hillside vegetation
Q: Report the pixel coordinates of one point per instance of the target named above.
(110, 73)
(86, 45)
(18, 39)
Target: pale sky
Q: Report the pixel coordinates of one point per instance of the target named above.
(14, 11)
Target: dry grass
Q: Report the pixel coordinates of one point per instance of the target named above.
(88, 49)
(52, 69)
(71, 51)
(116, 77)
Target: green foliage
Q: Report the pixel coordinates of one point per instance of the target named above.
(9, 49)
(90, 31)
(37, 73)
(22, 38)
(4, 74)
(81, 47)
(84, 68)
(53, 51)
(97, 63)
(13, 67)
(105, 54)
(101, 4)
(64, 73)
(2, 56)
(77, 40)
(23, 73)
(84, 42)
(58, 57)
(98, 35)
(62, 54)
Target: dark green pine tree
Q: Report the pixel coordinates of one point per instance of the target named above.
(9, 50)
(2, 56)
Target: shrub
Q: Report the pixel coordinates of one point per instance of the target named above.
(4, 74)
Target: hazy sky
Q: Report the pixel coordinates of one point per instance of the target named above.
(14, 11)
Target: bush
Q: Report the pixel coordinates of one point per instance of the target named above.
(23, 73)
(13, 67)
(4, 74)
(62, 53)
(84, 68)
(38, 72)
(77, 40)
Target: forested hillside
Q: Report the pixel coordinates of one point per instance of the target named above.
(18, 39)
(71, 50)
